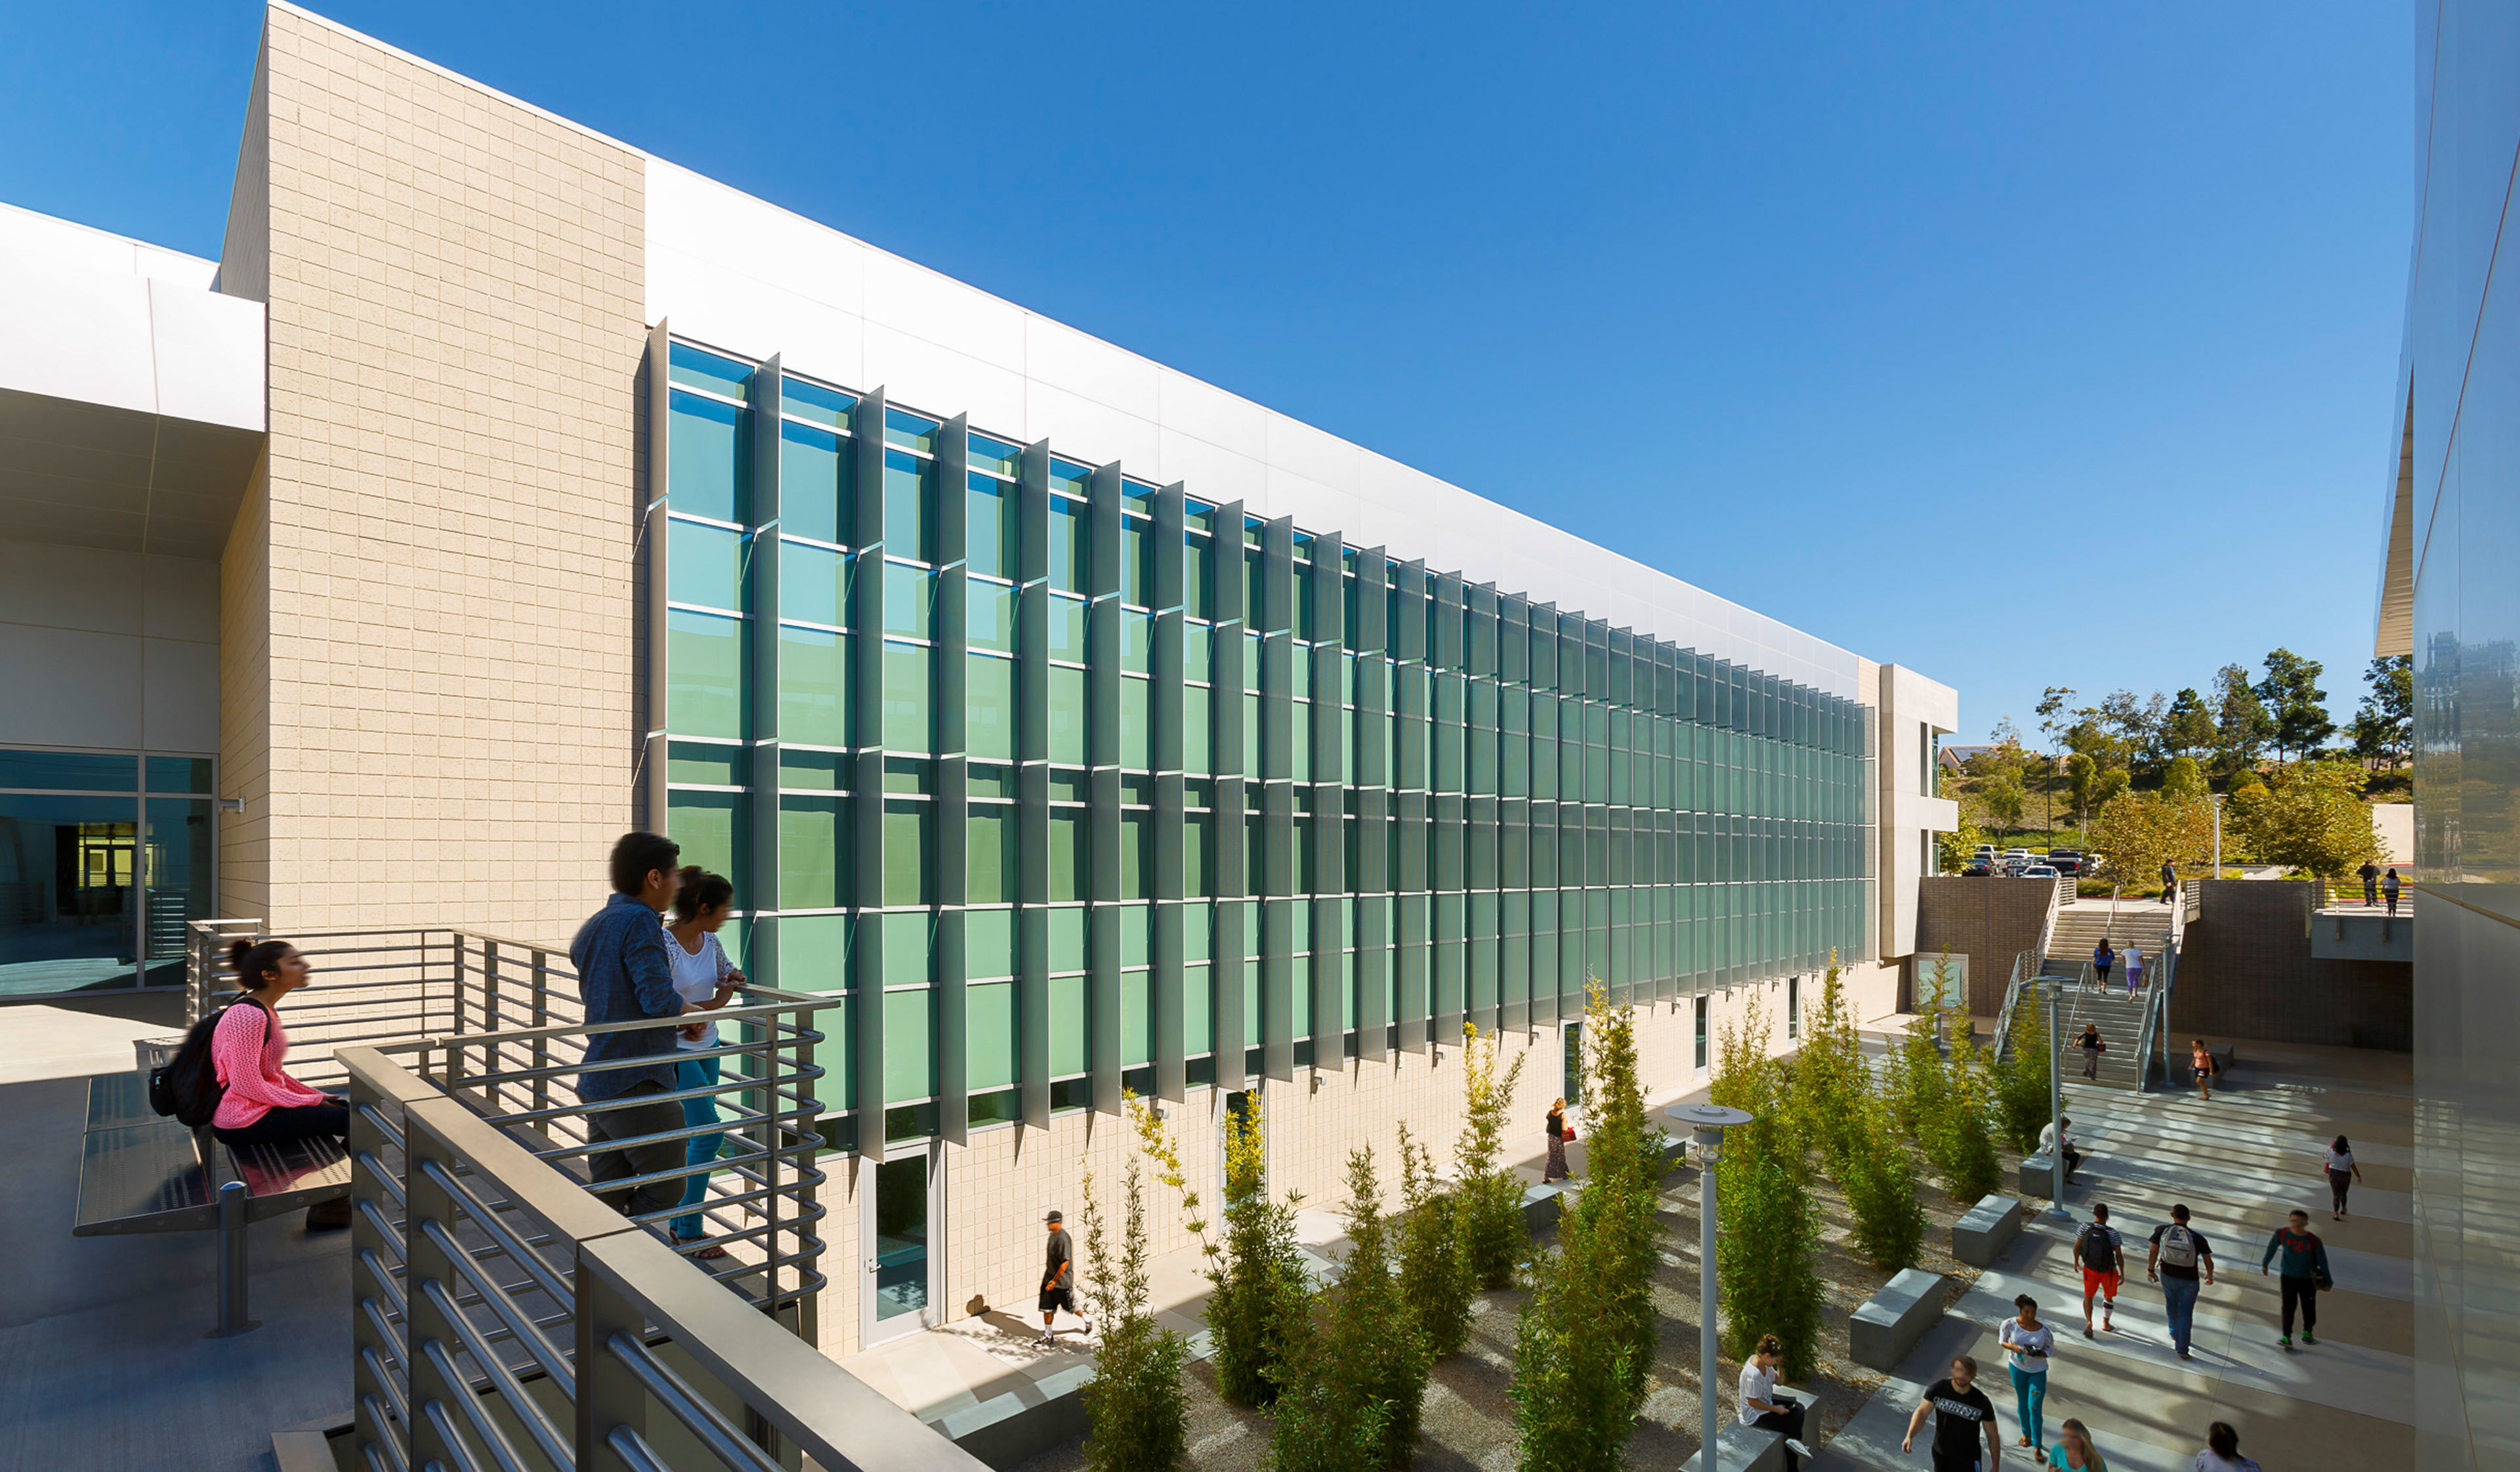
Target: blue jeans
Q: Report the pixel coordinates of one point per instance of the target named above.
(2029, 1396)
(2181, 1295)
(696, 1073)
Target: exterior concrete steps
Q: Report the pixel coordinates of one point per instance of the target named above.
(2121, 1025)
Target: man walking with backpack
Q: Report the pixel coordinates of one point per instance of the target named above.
(2179, 1252)
(2102, 1254)
(2304, 1274)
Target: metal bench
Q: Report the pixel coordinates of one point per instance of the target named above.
(141, 1172)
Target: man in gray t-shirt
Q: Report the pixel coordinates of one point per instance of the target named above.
(1058, 1277)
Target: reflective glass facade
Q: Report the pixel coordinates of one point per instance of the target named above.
(104, 857)
(1071, 782)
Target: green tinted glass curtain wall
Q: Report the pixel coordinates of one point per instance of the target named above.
(1071, 783)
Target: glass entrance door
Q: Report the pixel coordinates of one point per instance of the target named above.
(896, 1222)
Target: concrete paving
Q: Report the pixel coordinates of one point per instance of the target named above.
(2240, 1163)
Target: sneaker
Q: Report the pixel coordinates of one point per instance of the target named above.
(1087, 1332)
(2087, 1329)
(2284, 1344)
(1044, 1341)
(1792, 1445)
(2183, 1355)
(2307, 1337)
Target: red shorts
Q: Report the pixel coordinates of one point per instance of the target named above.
(2104, 1284)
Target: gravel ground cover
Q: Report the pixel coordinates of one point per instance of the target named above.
(1469, 1410)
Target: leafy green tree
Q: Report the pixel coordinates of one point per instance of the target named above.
(1571, 1410)
(1434, 1282)
(1768, 1230)
(1137, 1409)
(2243, 727)
(2311, 819)
(2000, 798)
(1917, 1084)
(2292, 698)
(2053, 712)
(2190, 727)
(1357, 1386)
(2384, 727)
(2182, 779)
(1834, 1097)
(1488, 1194)
(2020, 1081)
(1959, 1139)
(1260, 1294)
(2082, 779)
(2139, 832)
(1619, 1203)
(1952, 850)
(2109, 784)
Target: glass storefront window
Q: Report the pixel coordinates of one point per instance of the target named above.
(98, 883)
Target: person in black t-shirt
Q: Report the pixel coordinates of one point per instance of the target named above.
(1058, 1277)
(1962, 1417)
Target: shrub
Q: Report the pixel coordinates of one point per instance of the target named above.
(1916, 1083)
(1136, 1408)
(1763, 1251)
(1487, 1194)
(1357, 1381)
(2020, 1081)
(1572, 1411)
(1879, 1181)
(1258, 1293)
(1619, 1203)
(1960, 1137)
(1434, 1281)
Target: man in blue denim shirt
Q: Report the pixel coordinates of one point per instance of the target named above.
(623, 975)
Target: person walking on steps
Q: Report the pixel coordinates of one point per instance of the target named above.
(2200, 1063)
(2370, 876)
(2028, 1344)
(2133, 971)
(1764, 1408)
(2102, 958)
(2304, 1275)
(2180, 1251)
(2102, 1254)
(2092, 1045)
(1059, 1279)
(2073, 1452)
(704, 979)
(2222, 1451)
(2389, 889)
(2342, 1172)
(2169, 881)
(1558, 1135)
(1962, 1417)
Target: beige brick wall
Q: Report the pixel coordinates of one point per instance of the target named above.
(456, 285)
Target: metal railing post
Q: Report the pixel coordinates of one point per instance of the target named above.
(608, 1396)
(379, 1388)
(233, 1278)
(425, 1320)
(540, 1013)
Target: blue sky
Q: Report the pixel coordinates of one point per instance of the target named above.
(2020, 344)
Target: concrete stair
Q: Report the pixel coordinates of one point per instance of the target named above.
(2144, 924)
(2121, 1024)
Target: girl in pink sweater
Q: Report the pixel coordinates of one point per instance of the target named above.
(262, 1102)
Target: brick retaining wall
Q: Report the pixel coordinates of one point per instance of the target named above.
(1989, 921)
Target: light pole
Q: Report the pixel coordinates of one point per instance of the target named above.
(1707, 1124)
(2055, 1105)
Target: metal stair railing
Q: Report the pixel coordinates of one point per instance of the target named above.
(2029, 966)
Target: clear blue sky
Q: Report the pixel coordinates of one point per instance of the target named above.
(2020, 344)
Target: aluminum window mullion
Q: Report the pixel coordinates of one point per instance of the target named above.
(1371, 881)
(1276, 799)
(760, 593)
(865, 808)
(1410, 903)
(653, 801)
(1327, 838)
(1166, 1004)
(1032, 779)
(1103, 1054)
(950, 652)
(1225, 949)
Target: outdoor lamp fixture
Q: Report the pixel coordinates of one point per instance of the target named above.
(1707, 1124)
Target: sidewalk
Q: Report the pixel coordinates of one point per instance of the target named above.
(2240, 1163)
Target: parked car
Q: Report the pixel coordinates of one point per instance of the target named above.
(1978, 871)
(2067, 862)
(2039, 872)
(2017, 853)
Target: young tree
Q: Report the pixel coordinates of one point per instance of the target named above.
(2140, 832)
(1620, 1202)
(2294, 701)
(1434, 1282)
(2312, 819)
(1959, 1139)
(2384, 727)
(2082, 779)
(1834, 1097)
(2020, 1081)
(2182, 778)
(2190, 727)
(1136, 1407)
(1488, 1195)
(1952, 850)
(1917, 1084)
(1768, 1232)
(1571, 1411)
(2000, 797)
(2243, 727)
(2053, 712)
(1356, 1385)
(1258, 1292)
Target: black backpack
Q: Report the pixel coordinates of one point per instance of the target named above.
(2099, 1253)
(186, 1085)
